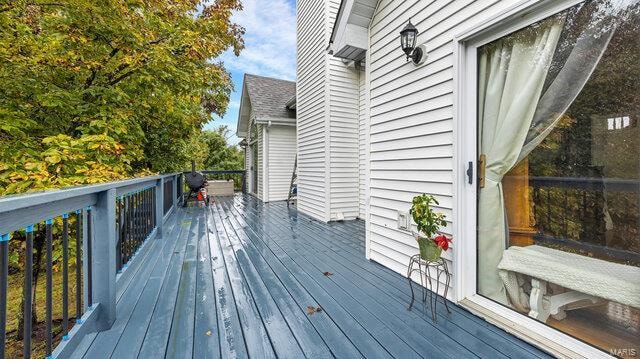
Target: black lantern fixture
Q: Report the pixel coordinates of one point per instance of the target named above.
(408, 38)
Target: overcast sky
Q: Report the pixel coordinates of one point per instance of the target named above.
(270, 50)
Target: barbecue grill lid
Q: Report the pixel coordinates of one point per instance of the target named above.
(195, 180)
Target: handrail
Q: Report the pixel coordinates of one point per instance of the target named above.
(611, 184)
(13, 202)
(114, 222)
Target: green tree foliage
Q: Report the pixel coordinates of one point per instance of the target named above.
(221, 156)
(92, 91)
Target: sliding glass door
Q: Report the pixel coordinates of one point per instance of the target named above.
(558, 206)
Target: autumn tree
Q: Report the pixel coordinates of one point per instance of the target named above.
(92, 91)
(100, 90)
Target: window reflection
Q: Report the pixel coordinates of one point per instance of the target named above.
(571, 199)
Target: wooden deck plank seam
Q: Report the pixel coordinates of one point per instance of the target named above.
(306, 288)
(371, 323)
(279, 293)
(126, 304)
(266, 210)
(274, 325)
(155, 334)
(283, 274)
(416, 322)
(416, 339)
(126, 341)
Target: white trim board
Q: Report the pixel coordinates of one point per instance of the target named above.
(466, 43)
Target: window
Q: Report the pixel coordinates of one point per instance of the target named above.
(559, 214)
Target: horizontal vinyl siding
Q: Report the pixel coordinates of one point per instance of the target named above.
(363, 123)
(411, 117)
(311, 110)
(247, 167)
(282, 154)
(260, 163)
(344, 137)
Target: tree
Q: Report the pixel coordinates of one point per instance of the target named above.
(95, 91)
(92, 91)
(221, 156)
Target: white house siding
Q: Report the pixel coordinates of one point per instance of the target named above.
(261, 166)
(343, 140)
(310, 93)
(411, 116)
(327, 119)
(363, 124)
(247, 167)
(281, 153)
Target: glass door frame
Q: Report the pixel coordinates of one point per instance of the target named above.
(466, 43)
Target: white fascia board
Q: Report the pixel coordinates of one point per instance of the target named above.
(276, 121)
(244, 113)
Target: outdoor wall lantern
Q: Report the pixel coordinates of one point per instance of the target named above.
(408, 37)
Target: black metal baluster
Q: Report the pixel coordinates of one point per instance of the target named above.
(134, 223)
(155, 204)
(146, 214)
(28, 295)
(149, 224)
(123, 231)
(153, 208)
(65, 276)
(134, 219)
(89, 260)
(49, 288)
(118, 236)
(149, 217)
(143, 215)
(139, 221)
(4, 276)
(79, 266)
(128, 226)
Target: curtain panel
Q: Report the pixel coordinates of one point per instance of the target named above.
(512, 73)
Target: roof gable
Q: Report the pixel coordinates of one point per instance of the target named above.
(265, 98)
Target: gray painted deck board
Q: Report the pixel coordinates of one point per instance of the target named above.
(134, 333)
(235, 280)
(206, 342)
(156, 338)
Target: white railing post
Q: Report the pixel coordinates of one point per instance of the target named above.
(159, 207)
(104, 258)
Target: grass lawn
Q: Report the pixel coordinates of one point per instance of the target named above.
(14, 296)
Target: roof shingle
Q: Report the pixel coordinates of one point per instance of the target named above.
(269, 96)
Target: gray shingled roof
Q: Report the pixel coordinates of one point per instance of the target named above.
(269, 96)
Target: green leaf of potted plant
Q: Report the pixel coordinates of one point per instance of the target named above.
(428, 222)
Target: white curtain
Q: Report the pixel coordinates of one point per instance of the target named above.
(512, 73)
(575, 68)
(576, 58)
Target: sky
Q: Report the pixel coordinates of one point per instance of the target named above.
(270, 50)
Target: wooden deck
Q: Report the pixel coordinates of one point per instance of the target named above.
(236, 280)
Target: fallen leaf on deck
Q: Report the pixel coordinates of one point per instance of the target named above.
(312, 310)
(326, 274)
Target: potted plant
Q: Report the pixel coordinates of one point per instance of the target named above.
(428, 222)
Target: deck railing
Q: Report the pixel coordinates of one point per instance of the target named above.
(111, 223)
(569, 212)
(238, 177)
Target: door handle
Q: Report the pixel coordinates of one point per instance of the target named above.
(470, 172)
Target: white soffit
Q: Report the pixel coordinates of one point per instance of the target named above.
(350, 31)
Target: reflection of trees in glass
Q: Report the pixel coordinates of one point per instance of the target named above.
(584, 146)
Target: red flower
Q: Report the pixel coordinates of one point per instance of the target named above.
(442, 241)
